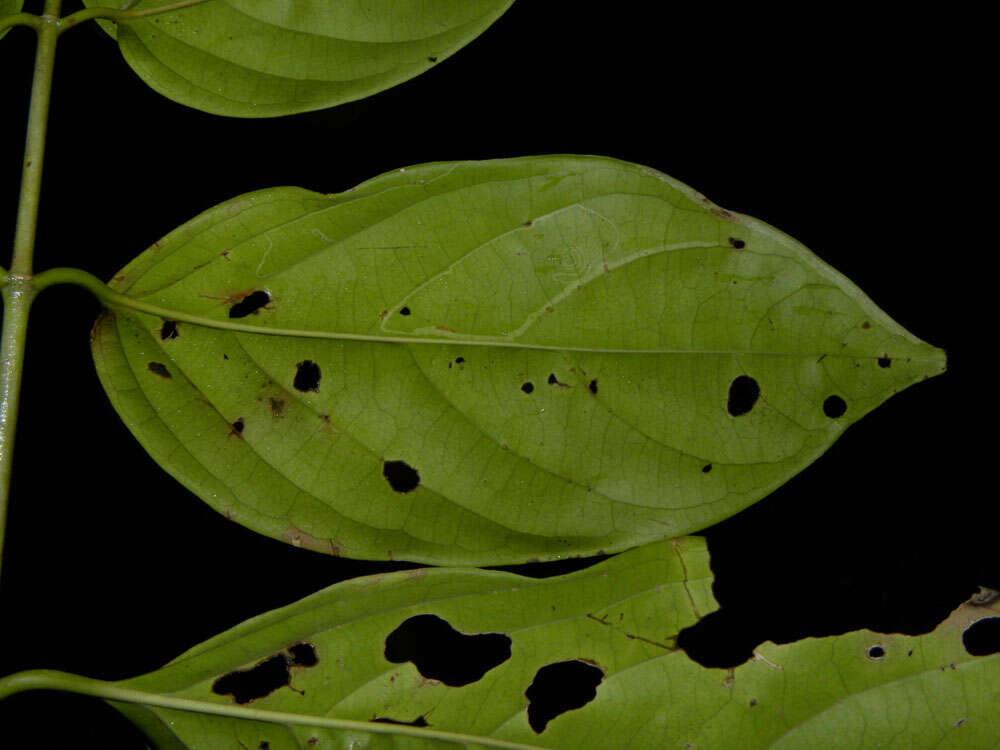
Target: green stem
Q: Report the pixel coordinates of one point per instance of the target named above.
(17, 297)
(47, 679)
(34, 147)
(19, 291)
(116, 15)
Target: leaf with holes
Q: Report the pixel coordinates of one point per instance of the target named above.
(582, 660)
(247, 58)
(491, 362)
(9, 8)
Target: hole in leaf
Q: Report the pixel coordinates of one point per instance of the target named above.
(401, 476)
(743, 394)
(876, 652)
(716, 641)
(433, 60)
(238, 426)
(249, 304)
(527, 387)
(834, 407)
(248, 684)
(592, 386)
(158, 368)
(264, 745)
(439, 652)
(459, 360)
(737, 243)
(706, 468)
(303, 655)
(267, 676)
(404, 311)
(558, 688)
(982, 637)
(553, 380)
(884, 362)
(307, 376)
(420, 721)
(168, 330)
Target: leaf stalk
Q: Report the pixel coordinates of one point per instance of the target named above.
(20, 19)
(117, 15)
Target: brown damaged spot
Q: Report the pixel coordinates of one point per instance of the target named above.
(984, 597)
(327, 427)
(723, 214)
(278, 406)
(298, 538)
(97, 330)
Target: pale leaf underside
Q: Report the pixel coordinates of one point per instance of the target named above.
(559, 356)
(248, 58)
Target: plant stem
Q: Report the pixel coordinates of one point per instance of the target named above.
(19, 291)
(17, 296)
(34, 147)
(47, 679)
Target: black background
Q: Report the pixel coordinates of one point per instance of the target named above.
(858, 134)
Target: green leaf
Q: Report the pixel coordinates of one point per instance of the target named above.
(490, 362)
(247, 58)
(9, 8)
(334, 654)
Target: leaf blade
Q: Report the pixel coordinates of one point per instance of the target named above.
(607, 425)
(616, 615)
(246, 59)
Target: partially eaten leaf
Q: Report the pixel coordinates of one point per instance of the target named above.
(591, 662)
(247, 58)
(491, 362)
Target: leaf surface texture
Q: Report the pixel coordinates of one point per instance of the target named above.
(248, 58)
(552, 356)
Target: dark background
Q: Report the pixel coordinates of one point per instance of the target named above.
(858, 134)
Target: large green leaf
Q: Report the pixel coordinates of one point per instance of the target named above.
(8, 8)
(563, 351)
(261, 58)
(332, 654)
